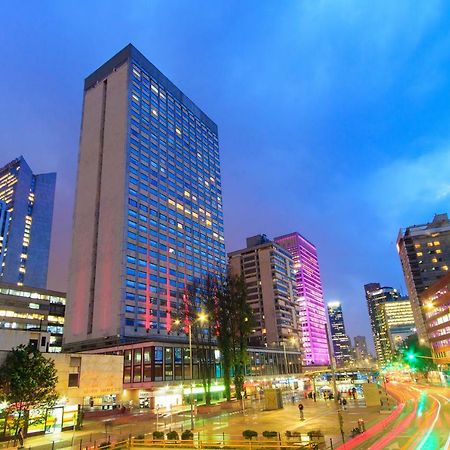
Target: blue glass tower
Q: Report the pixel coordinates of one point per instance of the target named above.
(148, 213)
(26, 213)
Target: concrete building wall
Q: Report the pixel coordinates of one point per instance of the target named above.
(10, 339)
(98, 375)
(268, 273)
(94, 281)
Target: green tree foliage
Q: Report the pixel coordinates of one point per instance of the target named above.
(222, 303)
(27, 382)
(234, 321)
(200, 311)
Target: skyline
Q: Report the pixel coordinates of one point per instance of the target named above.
(43, 117)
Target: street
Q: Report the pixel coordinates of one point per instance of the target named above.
(424, 424)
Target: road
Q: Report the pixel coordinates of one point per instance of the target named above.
(424, 423)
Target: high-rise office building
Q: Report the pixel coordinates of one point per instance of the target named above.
(361, 351)
(340, 340)
(268, 270)
(310, 296)
(376, 296)
(399, 319)
(436, 306)
(148, 213)
(26, 213)
(391, 319)
(424, 252)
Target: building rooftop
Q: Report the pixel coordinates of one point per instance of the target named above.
(131, 52)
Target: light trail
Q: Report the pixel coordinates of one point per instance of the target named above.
(428, 433)
(447, 444)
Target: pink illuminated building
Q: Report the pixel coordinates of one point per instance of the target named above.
(310, 296)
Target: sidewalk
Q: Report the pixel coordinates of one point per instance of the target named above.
(318, 415)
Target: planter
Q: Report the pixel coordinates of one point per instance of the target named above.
(208, 409)
(232, 405)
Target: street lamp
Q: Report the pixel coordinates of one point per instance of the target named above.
(202, 318)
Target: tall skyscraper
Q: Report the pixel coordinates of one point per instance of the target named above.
(340, 340)
(361, 351)
(310, 296)
(26, 213)
(424, 252)
(148, 213)
(268, 270)
(391, 319)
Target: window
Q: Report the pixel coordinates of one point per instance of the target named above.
(74, 380)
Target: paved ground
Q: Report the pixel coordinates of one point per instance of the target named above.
(318, 415)
(424, 423)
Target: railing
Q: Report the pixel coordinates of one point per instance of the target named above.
(210, 444)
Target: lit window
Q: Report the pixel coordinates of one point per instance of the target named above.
(437, 243)
(438, 250)
(444, 267)
(429, 244)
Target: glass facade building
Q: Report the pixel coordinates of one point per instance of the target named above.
(340, 340)
(26, 213)
(148, 214)
(310, 297)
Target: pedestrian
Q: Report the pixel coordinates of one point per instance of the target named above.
(314, 396)
(325, 396)
(354, 393)
(20, 437)
(300, 410)
(344, 403)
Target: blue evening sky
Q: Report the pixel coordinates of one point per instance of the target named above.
(333, 115)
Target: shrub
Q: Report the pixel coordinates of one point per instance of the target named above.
(140, 436)
(187, 435)
(158, 435)
(172, 436)
(270, 434)
(315, 433)
(249, 434)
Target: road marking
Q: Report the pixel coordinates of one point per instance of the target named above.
(427, 435)
(393, 446)
(447, 444)
(445, 398)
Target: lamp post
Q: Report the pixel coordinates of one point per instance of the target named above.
(191, 400)
(285, 357)
(202, 318)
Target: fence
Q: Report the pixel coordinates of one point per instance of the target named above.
(224, 442)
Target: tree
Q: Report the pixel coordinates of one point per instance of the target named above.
(241, 326)
(234, 326)
(224, 339)
(222, 302)
(200, 312)
(27, 382)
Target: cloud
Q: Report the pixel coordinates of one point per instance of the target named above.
(411, 187)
